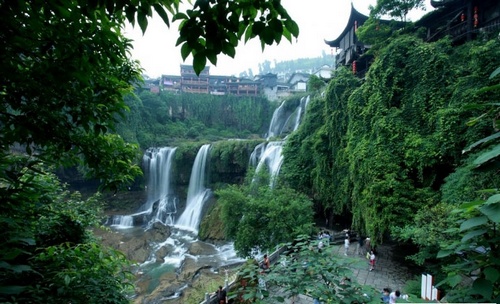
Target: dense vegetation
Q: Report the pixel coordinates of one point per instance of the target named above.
(258, 217)
(165, 119)
(388, 151)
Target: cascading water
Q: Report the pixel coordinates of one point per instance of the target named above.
(158, 163)
(161, 202)
(268, 154)
(272, 159)
(257, 153)
(197, 193)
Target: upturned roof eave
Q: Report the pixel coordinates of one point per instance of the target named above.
(354, 15)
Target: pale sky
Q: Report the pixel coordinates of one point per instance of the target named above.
(318, 20)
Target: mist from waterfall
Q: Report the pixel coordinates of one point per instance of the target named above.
(197, 193)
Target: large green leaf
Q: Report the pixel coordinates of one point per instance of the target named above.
(473, 234)
(492, 211)
(12, 290)
(484, 140)
(493, 199)
(487, 156)
(495, 73)
(483, 287)
(444, 253)
(491, 274)
(473, 222)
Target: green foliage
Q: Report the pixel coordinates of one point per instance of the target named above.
(314, 84)
(374, 33)
(258, 217)
(61, 95)
(382, 149)
(473, 274)
(428, 231)
(230, 160)
(396, 8)
(162, 119)
(209, 29)
(303, 269)
(413, 287)
(48, 254)
(84, 273)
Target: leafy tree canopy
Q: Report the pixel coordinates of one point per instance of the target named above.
(396, 8)
(258, 217)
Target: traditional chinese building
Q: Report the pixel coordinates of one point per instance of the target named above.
(462, 20)
(192, 83)
(351, 49)
(205, 83)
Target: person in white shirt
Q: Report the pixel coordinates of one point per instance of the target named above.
(346, 245)
(393, 296)
(372, 260)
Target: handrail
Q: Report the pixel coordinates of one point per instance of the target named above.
(336, 238)
(212, 299)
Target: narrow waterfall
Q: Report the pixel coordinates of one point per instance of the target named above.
(257, 153)
(161, 202)
(197, 193)
(272, 159)
(277, 121)
(268, 154)
(304, 101)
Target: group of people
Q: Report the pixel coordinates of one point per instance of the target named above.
(390, 297)
(364, 247)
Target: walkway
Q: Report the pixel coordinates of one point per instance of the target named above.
(387, 273)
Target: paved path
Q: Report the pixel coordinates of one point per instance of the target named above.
(387, 273)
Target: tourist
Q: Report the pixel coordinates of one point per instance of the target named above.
(221, 295)
(346, 245)
(368, 246)
(372, 260)
(320, 246)
(359, 247)
(385, 295)
(393, 296)
(265, 264)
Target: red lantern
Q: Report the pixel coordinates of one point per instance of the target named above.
(462, 17)
(354, 67)
(476, 17)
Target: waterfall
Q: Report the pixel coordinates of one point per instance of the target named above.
(277, 122)
(257, 153)
(161, 202)
(158, 165)
(272, 159)
(285, 120)
(122, 221)
(304, 101)
(197, 193)
(268, 154)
